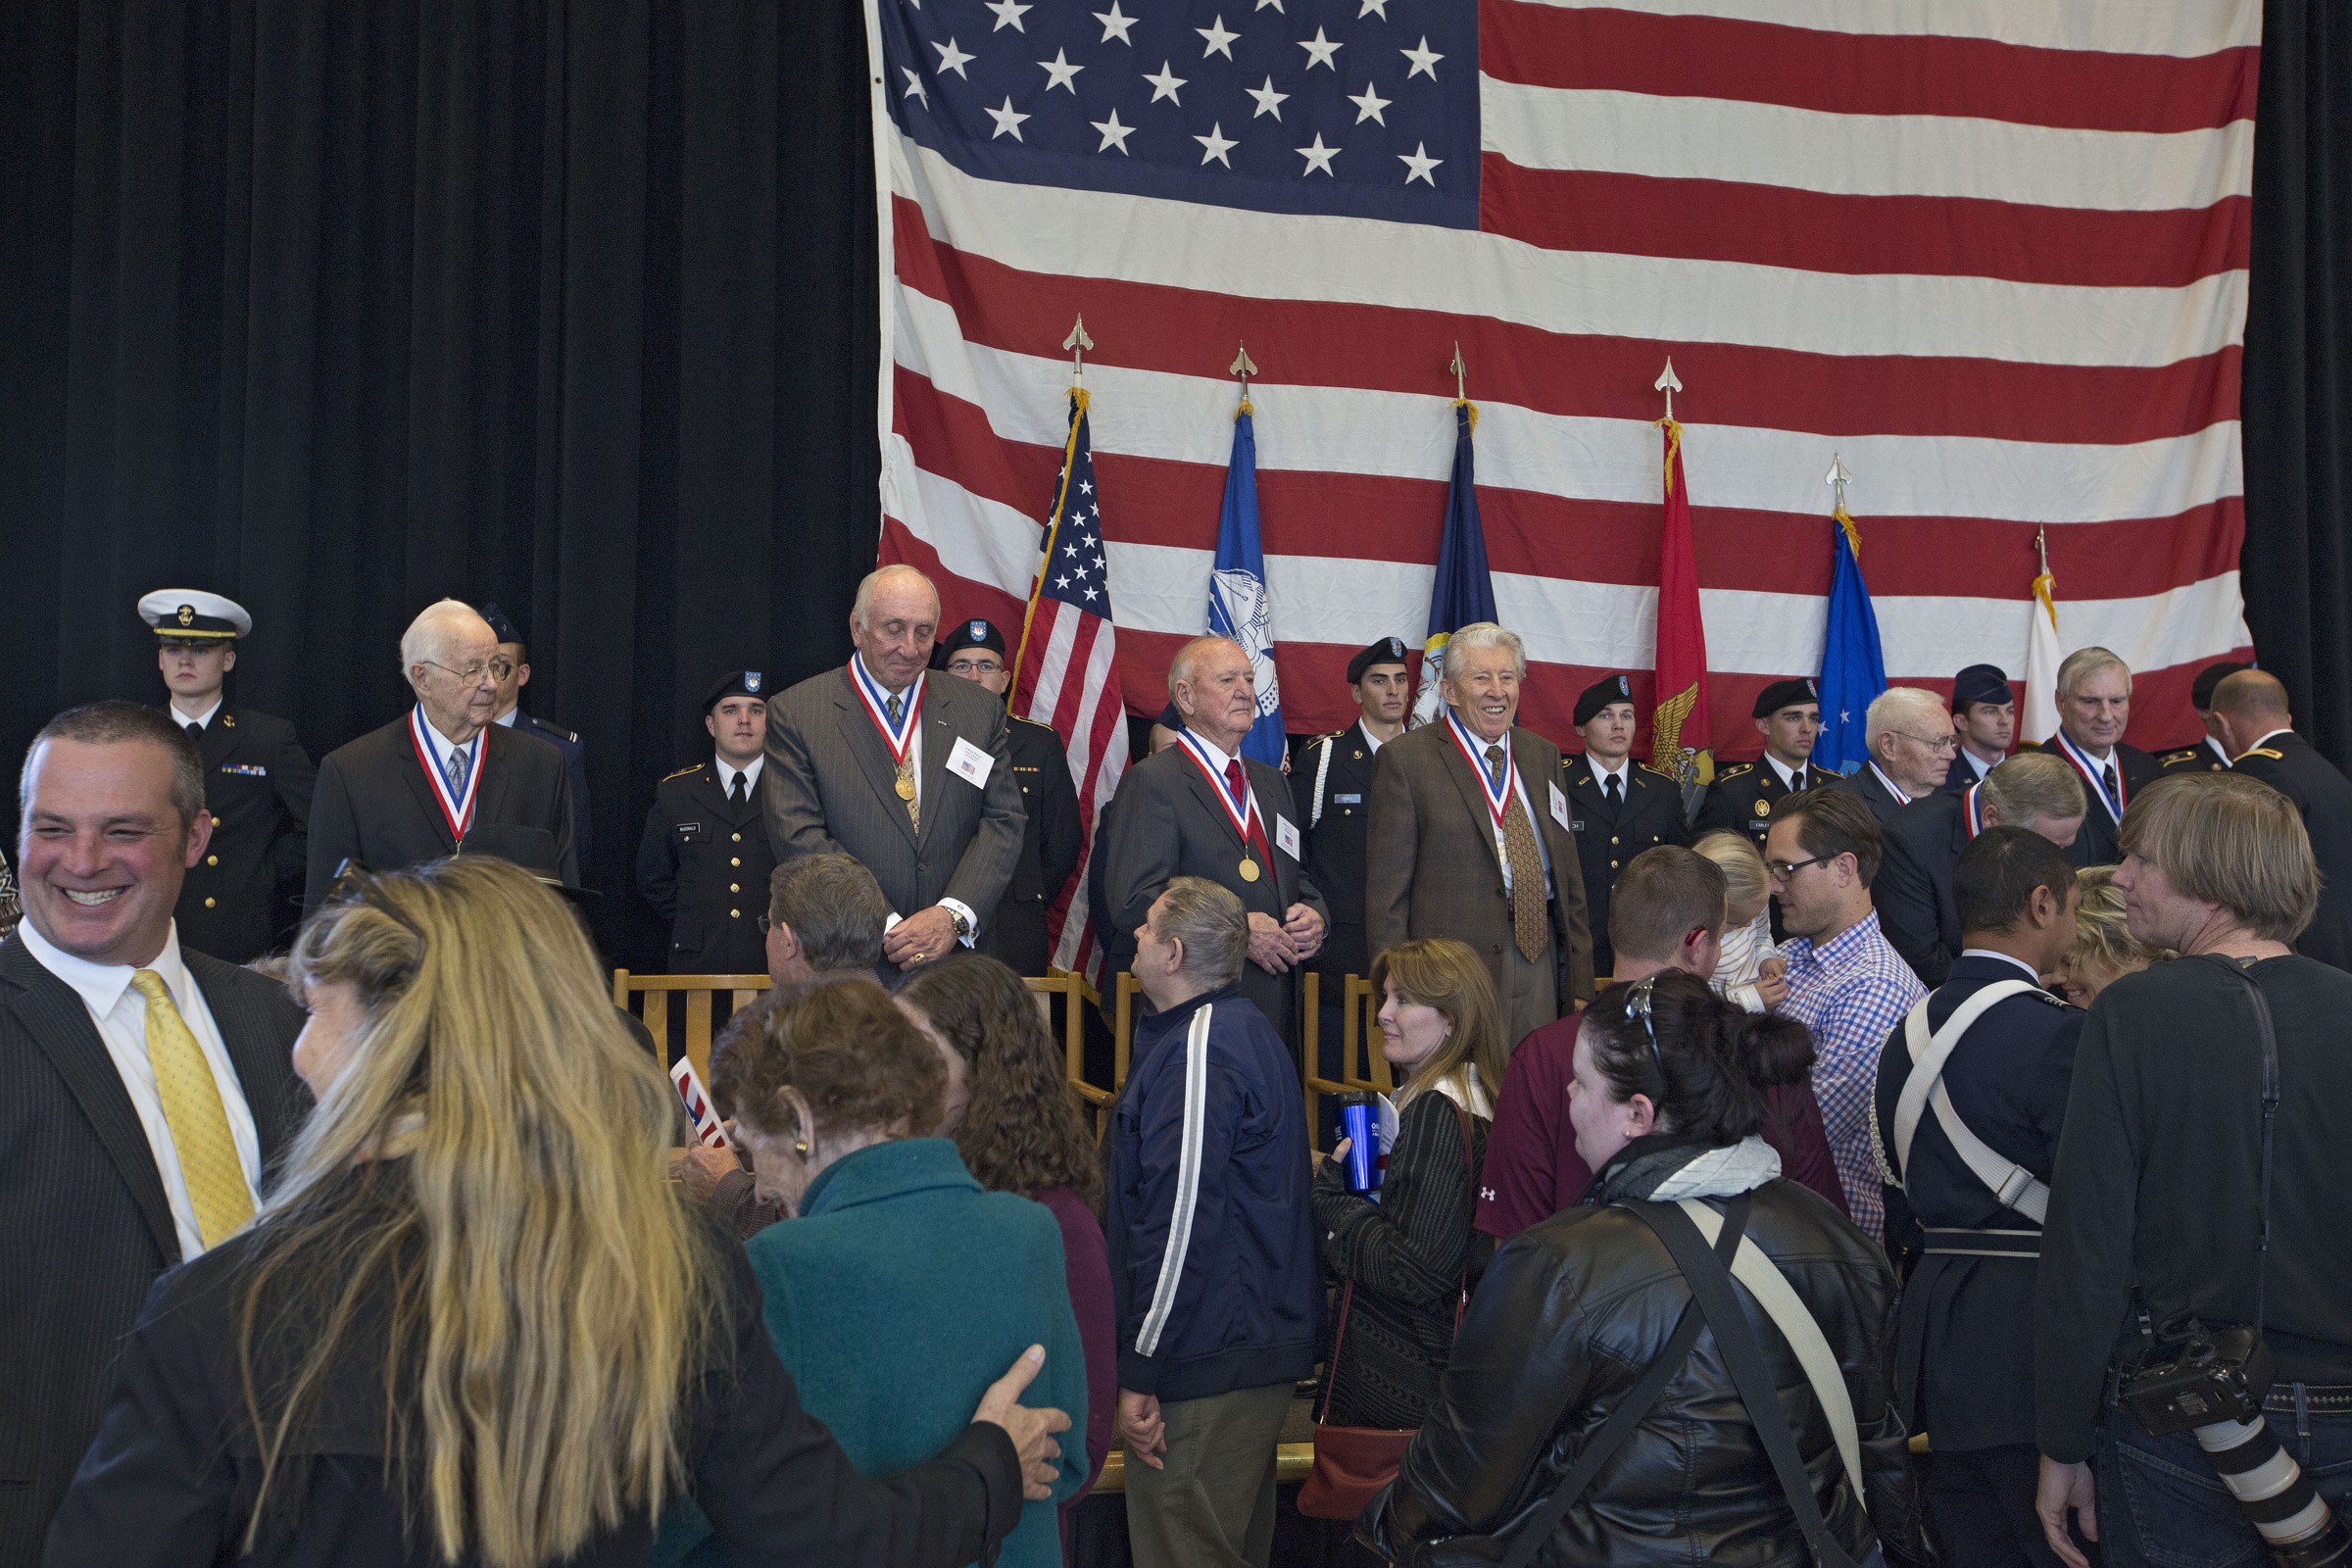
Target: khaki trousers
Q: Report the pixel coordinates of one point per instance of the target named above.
(1213, 1505)
(1527, 990)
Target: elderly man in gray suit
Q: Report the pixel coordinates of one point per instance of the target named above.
(913, 780)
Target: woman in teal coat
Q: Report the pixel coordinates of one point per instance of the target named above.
(900, 1290)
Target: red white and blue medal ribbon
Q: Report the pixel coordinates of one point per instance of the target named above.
(2091, 776)
(458, 812)
(1244, 817)
(877, 709)
(1969, 810)
(1902, 797)
(1499, 800)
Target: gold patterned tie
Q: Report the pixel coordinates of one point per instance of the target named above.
(1528, 925)
(184, 1082)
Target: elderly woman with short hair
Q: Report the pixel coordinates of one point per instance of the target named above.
(898, 1278)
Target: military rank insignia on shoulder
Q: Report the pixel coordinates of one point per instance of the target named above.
(2265, 751)
(1659, 771)
(691, 767)
(2170, 757)
(1736, 771)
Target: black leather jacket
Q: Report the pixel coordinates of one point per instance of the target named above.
(1569, 1316)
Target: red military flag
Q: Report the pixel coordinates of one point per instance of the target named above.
(1677, 738)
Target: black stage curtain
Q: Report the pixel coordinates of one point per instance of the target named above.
(2297, 395)
(571, 304)
(339, 309)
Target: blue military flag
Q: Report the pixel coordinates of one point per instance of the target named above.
(1853, 670)
(1463, 594)
(1238, 604)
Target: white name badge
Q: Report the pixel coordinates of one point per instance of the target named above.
(1560, 806)
(1286, 836)
(970, 764)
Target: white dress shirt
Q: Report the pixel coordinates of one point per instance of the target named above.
(1976, 767)
(1785, 773)
(121, 1014)
(727, 773)
(202, 720)
(1519, 786)
(1623, 773)
(444, 747)
(1370, 739)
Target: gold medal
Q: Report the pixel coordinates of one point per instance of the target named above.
(906, 789)
(1248, 869)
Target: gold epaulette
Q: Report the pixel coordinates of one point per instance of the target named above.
(2265, 751)
(2170, 757)
(1661, 772)
(691, 767)
(1734, 771)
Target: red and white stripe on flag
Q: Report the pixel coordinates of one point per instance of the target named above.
(1994, 256)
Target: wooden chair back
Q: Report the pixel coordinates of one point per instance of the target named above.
(694, 993)
(1076, 995)
(1362, 1066)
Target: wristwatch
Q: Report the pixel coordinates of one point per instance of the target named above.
(964, 924)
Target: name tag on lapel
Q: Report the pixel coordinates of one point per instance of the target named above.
(970, 764)
(245, 769)
(1286, 836)
(1560, 806)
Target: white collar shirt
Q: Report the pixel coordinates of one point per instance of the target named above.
(121, 1016)
(1519, 784)
(203, 721)
(1370, 739)
(2022, 967)
(444, 747)
(1785, 773)
(728, 774)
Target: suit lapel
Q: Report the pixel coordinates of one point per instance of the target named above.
(1212, 800)
(864, 742)
(491, 797)
(52, 1015)
(258, 1048)
(938, 738)
(1473, 792)
(429, 800)
(1262, 779)
(1532, 774)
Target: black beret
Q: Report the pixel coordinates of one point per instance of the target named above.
(501, 628)
(967, 634)
(737, 683)
(1385, 651)
(1981, 683)
(2200, 690)
(1599, 695)
(1785, 694)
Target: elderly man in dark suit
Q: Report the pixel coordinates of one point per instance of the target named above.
(1913, 890)
(1200, 808)
(412, 790)
(912, 777)
(2250, 709)
(2094, 708)
(1471, 839)
(144, 1087)
(1911, 751)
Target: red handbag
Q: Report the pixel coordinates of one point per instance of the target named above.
(1352, 1463)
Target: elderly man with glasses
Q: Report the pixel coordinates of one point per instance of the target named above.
(1846, 983)
(412, 790)
(1911, 751)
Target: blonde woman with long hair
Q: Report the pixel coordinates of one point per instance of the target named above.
(1407, 1255)
(473, 1322)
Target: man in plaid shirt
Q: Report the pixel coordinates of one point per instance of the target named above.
(1845, 981)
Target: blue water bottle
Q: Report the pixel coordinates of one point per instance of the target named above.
(1359, 1124)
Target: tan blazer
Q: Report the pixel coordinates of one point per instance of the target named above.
(1434, 871)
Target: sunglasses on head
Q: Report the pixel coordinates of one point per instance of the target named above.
(1636, 1006)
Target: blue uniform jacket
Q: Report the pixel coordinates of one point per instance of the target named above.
(1215, 1273)
(1965, 1357)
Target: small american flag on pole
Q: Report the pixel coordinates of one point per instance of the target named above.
(1068, 673)
(707, 1126)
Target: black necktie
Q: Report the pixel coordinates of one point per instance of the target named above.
(1796, 781)
(735, 795)
(1610, 790)
(196, 732)
(2107, 781)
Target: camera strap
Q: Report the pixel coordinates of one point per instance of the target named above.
(2271, 1096)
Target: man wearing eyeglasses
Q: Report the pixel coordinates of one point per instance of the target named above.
(1053, 839)
(1911, 751)
(511, 665)
(410, 791)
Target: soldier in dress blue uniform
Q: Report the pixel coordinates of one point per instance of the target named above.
(1985, 717)
(1787, 713)
(704, 859)
(1617, 807)
(1965, 1353)
(1331, 782)
(512, 668)
(2212, 755)
(1054, 840)
(257, 781)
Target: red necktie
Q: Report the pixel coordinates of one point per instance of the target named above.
(1237, 784)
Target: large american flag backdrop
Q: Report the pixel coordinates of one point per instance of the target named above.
(1992, 253)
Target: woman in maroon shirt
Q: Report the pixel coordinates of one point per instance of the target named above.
(1013, 1121)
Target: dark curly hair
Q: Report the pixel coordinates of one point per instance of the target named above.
(1714, 1058)
(857, 1060)
(1022, 1130)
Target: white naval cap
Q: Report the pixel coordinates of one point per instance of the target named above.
(194, 615)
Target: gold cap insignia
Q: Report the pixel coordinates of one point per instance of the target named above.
(187, 614)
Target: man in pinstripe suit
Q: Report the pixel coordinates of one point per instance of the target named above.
(144, 1087)
(910, 777)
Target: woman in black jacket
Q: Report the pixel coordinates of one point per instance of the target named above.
(473, 1324)
(1404, 1258)
(1572, 1312)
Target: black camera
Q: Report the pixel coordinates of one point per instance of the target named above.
(2211, 1382)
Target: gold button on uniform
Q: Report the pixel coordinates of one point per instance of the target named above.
(207, 904)
(734, 915)
(212, 859)
(1613, 839)
(732, 888)
(735, 859)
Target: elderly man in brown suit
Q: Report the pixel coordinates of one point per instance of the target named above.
(1471, 837)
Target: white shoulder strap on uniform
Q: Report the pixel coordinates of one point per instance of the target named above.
(1780, 1303)
(2010, 1182)
(1322, 772)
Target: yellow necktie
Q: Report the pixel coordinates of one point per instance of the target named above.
(184, 1082)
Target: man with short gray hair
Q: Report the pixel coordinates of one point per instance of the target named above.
(413, 790)
(2250, 709)
(1471, 839)
(1911, 742)
(1216, 1280)
(2094, 707)
(1913, 890)
(912, 777)
(826, 916)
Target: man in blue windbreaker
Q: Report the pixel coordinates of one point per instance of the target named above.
(1213, 1267)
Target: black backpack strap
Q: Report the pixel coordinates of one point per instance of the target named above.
(1528, 1536)
(1710, 1278)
